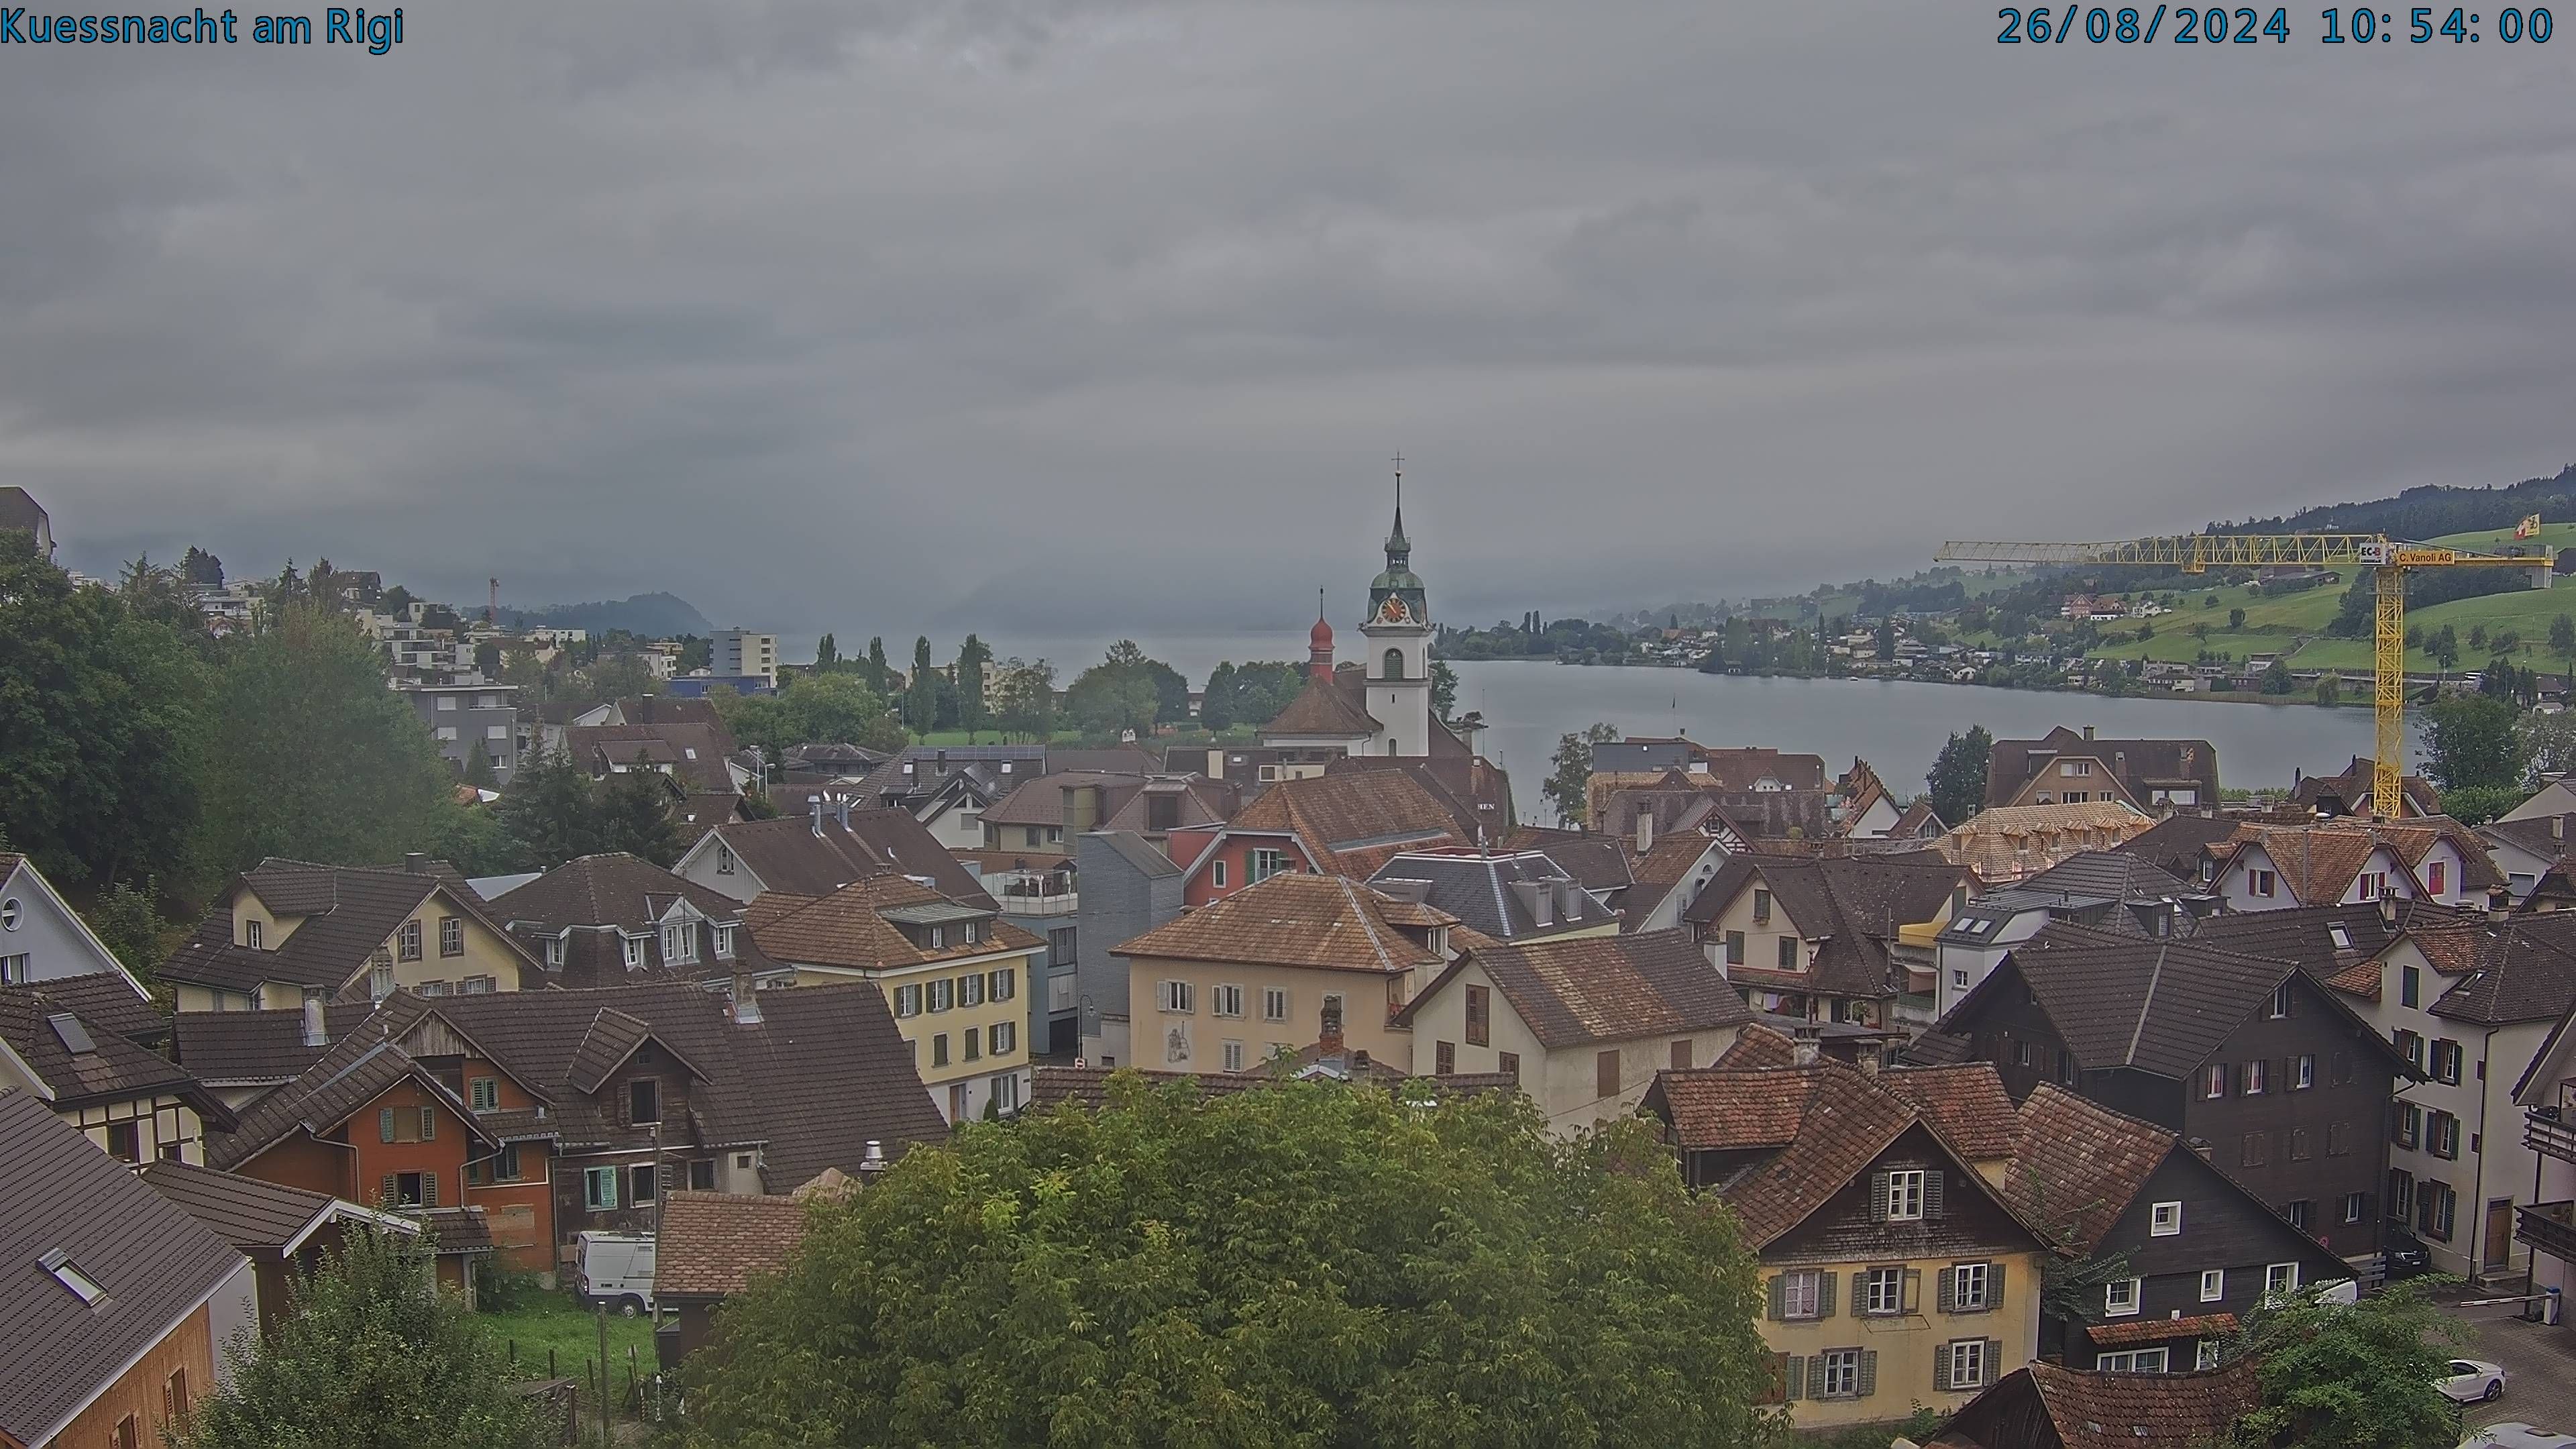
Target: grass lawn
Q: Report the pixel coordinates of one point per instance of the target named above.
(554, 1320)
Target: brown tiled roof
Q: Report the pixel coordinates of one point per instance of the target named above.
(613, 1037)
(1574, 991)
(2015, 841)
(80, 1060)
(108, 999)
(460, 1231)
(1854, 904)
(1351, 823)
(695, 752)
(1837, 1124)
(712, 1244)
(2525, 971)
(343, 1082)
(248, 1048)
(615, 889)
(2145, 1411)
(1966, 1104)
(347, 912)
(847, 928)
(787, 855)
(60, 1194)
(2080, 1164)
(2318, 862)
(1318, 921)
(1755, 1047)
(2174, 844)
(1040, 801)
(2159, 1330)
(244, 1211)
(2357, 791)
(2138, 765)
(1323, 707)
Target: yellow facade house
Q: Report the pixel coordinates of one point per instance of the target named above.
(1894, 1272)
(955, 975)
(1280, 966)
(1583, 1023)
(289, 931)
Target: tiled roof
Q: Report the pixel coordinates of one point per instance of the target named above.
(2138, 765)
(244, 1211)
(2080, 1164)
(2144, 1411)
(1479, 888)
(612, 1038)
(2317, 862)
(712, 1244)
(347, 913)
(2110, 875)
(1854, 905)
(1289, 920)
(108, 999)
(78, 1059)
(1599, 861)
(1966, 1104)
(60, 1194)
(1040, 800)
(459, 1231)
(788, 855)
(849, 927)
(1780, 814)
(1827, 1121)
(2356, 790)
(1742, 767)
(1575, 991)
(2160, 1330)
(2161, 1006)
(248, 1048)
(615, 889)
(2524, 971)
(344, 1081)
(2324, 941)
(1352, 823)
(2012, 842)
(2174, 843)
(1757, 1046)
(695, 752)
(1323, 707)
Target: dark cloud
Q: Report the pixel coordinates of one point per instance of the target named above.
(1042, 317)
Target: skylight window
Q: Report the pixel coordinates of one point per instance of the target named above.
(2342, 937)
(69, 1031)
(83, 1286)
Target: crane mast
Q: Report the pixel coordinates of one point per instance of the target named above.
(2389, 561)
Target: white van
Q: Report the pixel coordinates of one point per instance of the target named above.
(615, 1269)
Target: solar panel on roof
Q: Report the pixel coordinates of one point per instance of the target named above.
(69, 1031)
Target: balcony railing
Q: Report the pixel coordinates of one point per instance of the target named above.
(1034, 893)
(2544, 1131)
(2549, 1227)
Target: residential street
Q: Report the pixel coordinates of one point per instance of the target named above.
(2539, 1363)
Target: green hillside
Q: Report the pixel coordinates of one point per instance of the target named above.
(2295, 624)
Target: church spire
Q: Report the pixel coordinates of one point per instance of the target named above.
(1319, 644)
(1398, 547)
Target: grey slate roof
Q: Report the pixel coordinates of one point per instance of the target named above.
(244, 1211)
(1572, 991)
(1139, 853)
(787, 855)
(1479, 889)
(2173, 844)
(348, 912)
(60, 1194)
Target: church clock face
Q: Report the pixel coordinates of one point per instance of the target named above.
(1393, 611)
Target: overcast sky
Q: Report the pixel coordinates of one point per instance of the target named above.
(1042, 317)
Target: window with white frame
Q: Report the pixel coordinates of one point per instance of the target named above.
(1802, 1294)
(1969, 1285)
(1002, 1036)
(1967, 1363)
(2255, 1076)
(2205, 1356)
(1225, 1001)
(1002, 985)
(941, 994)
(1232, 1056)
(1840, 1377)
(2164, 1220)
(1883, 1291)
(970, 989)
(2213, 1284)
(2133, 1361)
(1905, 1195)
(634, 951)
(724, 858)
(555, 952)
(1265, 864)
(907, 1000)
(2280, 1278)
(2213, 1080)
(1274, 1003)
(1176, 996)
(679, 943)
(724, 943)
(2120, 1298)
(2303, 1072)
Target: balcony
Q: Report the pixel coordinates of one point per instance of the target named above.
(2549, 1227)
(1033, 892)
(2545, 1131)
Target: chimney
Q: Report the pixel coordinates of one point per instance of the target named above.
(2387, 910)
(2499, 904)
(872, 1166)
(1081, 809)
(1645, 831)
(2088, 732)
(2558, 828)
(1869, 1062)
(942, 762)
(817, 802)
(1806, 1043)
(414, 862)
(1359, 1063)
(746, 1000)
(2200, 1145)
(316, 1033)
(841, 808)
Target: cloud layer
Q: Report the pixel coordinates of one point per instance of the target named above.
(1043, 316)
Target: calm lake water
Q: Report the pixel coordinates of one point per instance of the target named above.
(1898, 726)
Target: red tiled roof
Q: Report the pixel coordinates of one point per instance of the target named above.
(2159, 1330)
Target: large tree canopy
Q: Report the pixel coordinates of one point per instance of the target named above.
(1303, 1264)
(99, 726)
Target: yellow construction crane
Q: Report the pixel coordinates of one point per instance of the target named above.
(2388, 559)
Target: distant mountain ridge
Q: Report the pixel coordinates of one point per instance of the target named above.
(647, 616)
(2431, 511)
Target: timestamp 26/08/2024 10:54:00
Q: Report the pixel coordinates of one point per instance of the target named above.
(2218, 25)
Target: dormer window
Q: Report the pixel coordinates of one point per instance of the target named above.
(644, 1101)
(251, 935)
(679, 944)
(969, 929)
(634, 951)
(724, 943)
(554, 953)
(938, 938)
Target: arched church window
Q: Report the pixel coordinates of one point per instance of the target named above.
(1394, 664)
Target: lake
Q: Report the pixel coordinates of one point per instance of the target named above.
(1898, 726)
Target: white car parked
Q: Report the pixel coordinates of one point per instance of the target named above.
(2517, 1436)
(2472, 1382)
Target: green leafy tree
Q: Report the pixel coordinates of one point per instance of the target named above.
(696, 652)
(608, 677)
(487, 658)
(880, 673)
(1217, 709)
(839, 709)
(972, 716)
(2477, 637)
(1444, 690)
(201, 569)
(1958, 776)
(130, 921)
(2445, 647)
(2480, 804)
(1569, 785)
(827, 655)
(1885, 640)
(1024, 700)
(478, 767)
(2277, 678)
(2562, 642)
(1125, 691)
(312, 757)
(921, 697)
(550, 814)
(2350, 1376)
(2470, 742)
(2235, 620)
(1304, 1263)
(635, 815)
(368, 1359)
(2548, 746)
(2330, 689)
(101, 726)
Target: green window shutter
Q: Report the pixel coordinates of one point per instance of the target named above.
(1779, 1290)
(1878, 1196)
(1946, 1300)
(385, 1125)
(1994, 1285)
(392, 1193)
(1994, 1359)
(1860, 1293)
(1794, 1381)
(1825, 1284)
(429, 1189)
(1932, 1193)
(1940, 1368)
(1816, 1377)
(1909, 1291)
(428, 1124)
(1868, 1372)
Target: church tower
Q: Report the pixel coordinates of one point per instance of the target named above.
(1397, 659)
